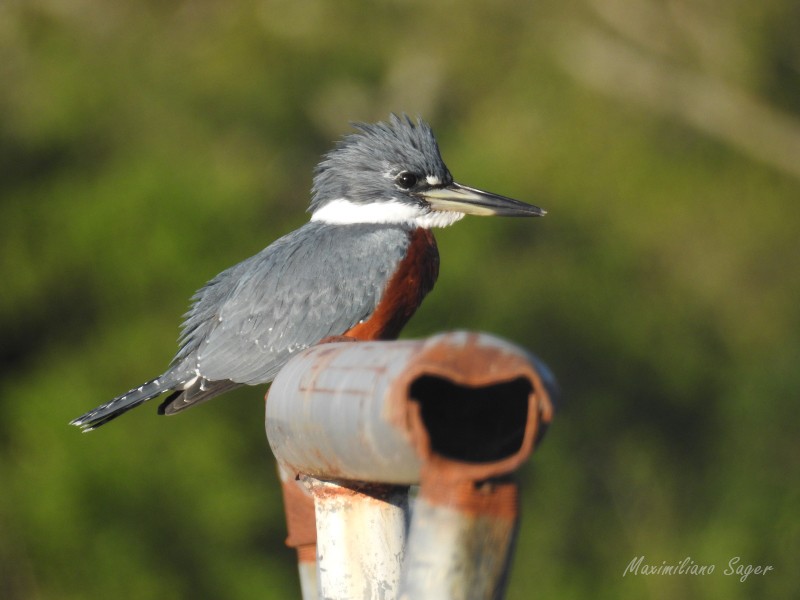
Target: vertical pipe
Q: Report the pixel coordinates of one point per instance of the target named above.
(361, 535)
(460, 542)
(298, 505)
(309, 586)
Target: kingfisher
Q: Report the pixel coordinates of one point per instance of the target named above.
(358, 270)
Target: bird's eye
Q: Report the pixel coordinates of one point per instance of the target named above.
(406, 180)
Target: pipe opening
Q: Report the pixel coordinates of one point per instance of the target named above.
(473, 424)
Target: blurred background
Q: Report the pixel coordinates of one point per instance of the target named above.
(145, 146)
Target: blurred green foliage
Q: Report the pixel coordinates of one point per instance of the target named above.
(145, 146)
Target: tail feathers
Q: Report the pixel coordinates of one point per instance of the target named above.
(201, 391)
(121, 404)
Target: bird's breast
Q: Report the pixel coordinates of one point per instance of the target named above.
(413, 278)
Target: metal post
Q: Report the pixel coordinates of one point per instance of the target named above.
(361, 536)
(361, 422)
(298, 505)
(460, 541)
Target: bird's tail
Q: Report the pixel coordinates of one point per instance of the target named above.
(114, 408)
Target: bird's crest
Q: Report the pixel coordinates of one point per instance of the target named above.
(383, 149)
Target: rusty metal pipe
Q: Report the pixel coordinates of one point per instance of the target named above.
(379, 411)
(457, 413)
(298, 504)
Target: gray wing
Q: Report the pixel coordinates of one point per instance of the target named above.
(316, 282)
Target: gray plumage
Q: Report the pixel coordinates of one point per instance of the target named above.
(244, 325)
(316, 282)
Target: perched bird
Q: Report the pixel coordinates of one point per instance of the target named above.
(358, 269)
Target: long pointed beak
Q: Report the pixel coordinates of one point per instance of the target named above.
(460, 198)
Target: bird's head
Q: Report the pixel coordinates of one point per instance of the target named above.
(393, 173)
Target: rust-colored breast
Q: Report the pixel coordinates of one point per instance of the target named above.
(414, 278)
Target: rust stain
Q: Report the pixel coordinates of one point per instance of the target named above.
(307, 554)
(356, 490)
(300, 520)
(497, 499)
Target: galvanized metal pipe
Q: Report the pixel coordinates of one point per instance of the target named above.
(361, 537)
(460, 542)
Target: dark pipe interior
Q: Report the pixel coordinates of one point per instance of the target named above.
(473, 424)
